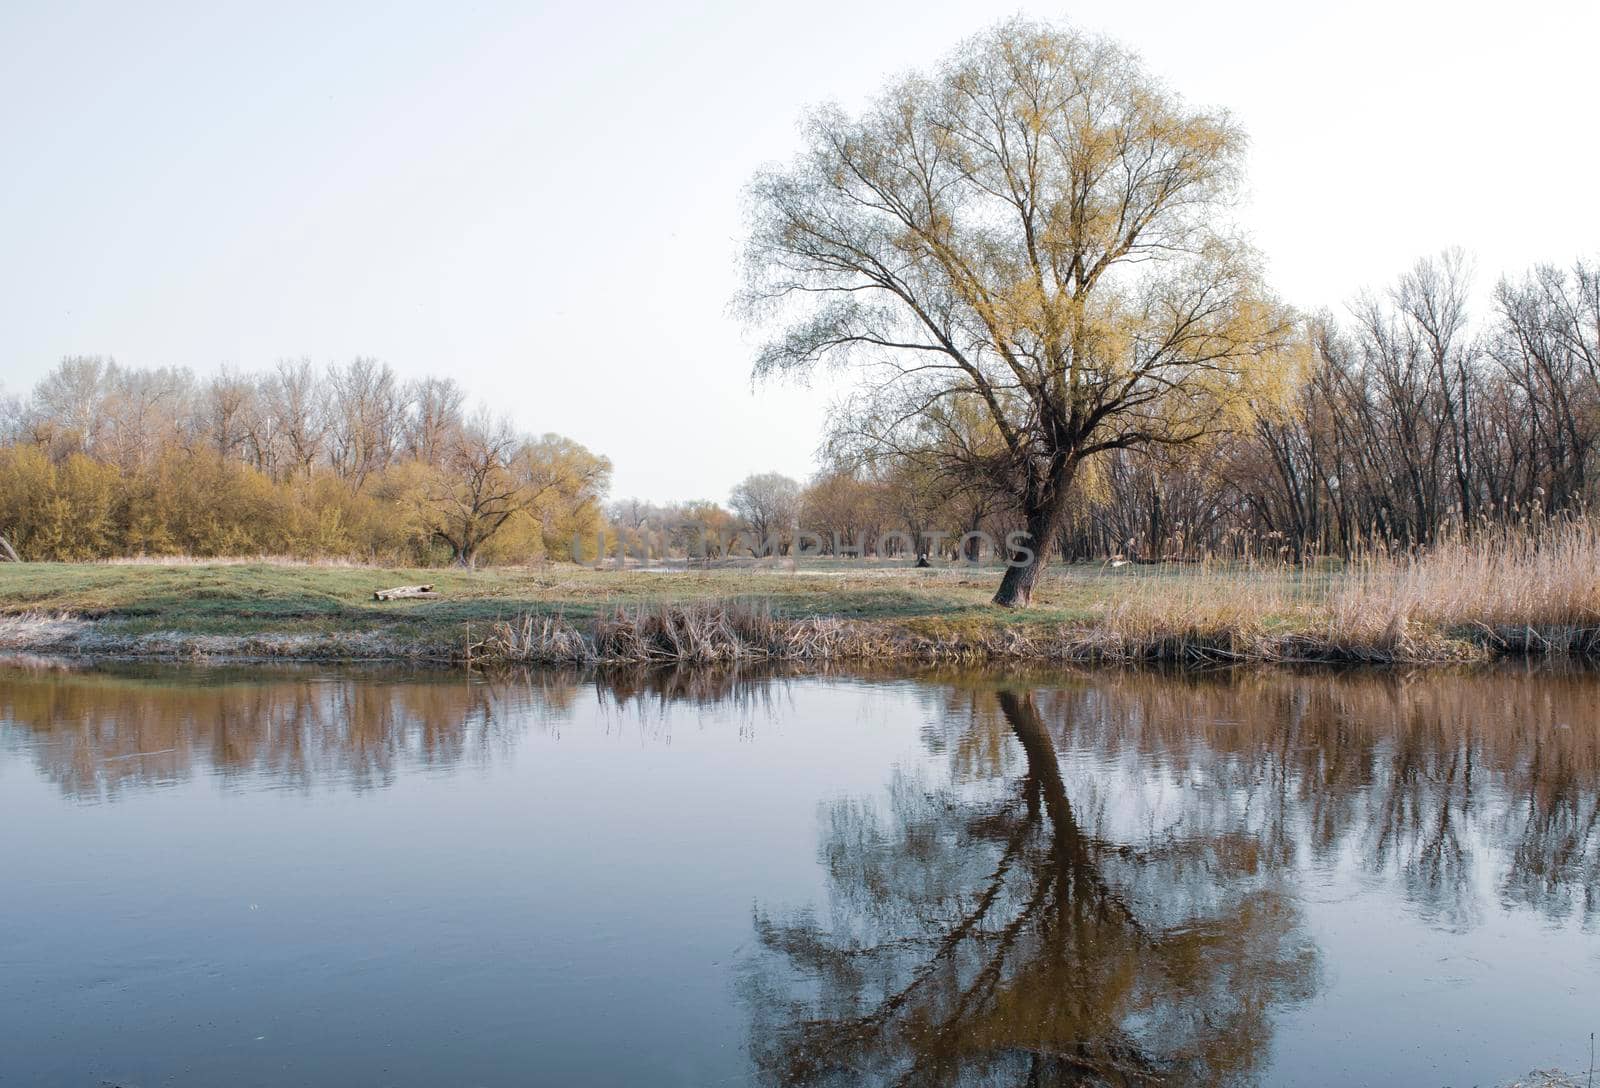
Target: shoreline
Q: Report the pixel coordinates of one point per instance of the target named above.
(569, 616)
(717, 633)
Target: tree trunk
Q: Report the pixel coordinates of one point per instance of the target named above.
(1044, 520)
(1016, 587)
(1044, 769)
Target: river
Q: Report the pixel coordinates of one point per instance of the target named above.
(311, 876)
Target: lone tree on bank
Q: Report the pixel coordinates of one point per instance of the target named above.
(1037, 225)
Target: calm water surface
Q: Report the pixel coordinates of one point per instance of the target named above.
(305, 877)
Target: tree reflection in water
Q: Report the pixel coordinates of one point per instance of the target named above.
(1101, 892)
(1096, 882)
(983, 939)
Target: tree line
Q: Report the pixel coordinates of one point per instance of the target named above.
(1415, 418)
(343, 461)
(1409, 419)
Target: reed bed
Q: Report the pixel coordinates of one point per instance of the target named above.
(1516, 589)
(709, 633)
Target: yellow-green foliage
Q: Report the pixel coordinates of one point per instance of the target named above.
(186, 502)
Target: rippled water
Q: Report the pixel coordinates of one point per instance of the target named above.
(298, 876)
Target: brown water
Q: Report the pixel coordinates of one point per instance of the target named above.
(297, 876)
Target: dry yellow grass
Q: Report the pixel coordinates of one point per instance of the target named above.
(1513, 588)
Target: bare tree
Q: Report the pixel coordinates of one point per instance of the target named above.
(631, 515)
(67, 410)
(10, 417)
(768, 504)
(368, 409)
(435, 416)
(296, 399)
(1548, 346)
(143, 411)
(226, 405)
(1434, 296)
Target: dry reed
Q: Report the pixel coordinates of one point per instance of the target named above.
(708, 633)
(1515, 589)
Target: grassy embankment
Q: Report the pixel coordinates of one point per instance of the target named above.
(1503, 594)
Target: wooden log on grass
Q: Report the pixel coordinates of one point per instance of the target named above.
(400, 592)
(7, 551)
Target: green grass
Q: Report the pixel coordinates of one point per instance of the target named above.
(279, 599)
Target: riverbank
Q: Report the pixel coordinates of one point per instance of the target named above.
(1444, 609)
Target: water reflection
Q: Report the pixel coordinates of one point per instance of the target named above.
(1416, 777)
(1108, 878)
(1102, 889)
(1008, 940)
(99, 732)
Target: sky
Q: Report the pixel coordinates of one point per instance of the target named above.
(544, 201)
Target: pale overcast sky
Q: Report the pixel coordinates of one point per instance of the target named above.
(542, 201)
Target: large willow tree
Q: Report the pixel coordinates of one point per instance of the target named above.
(1039, 226)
